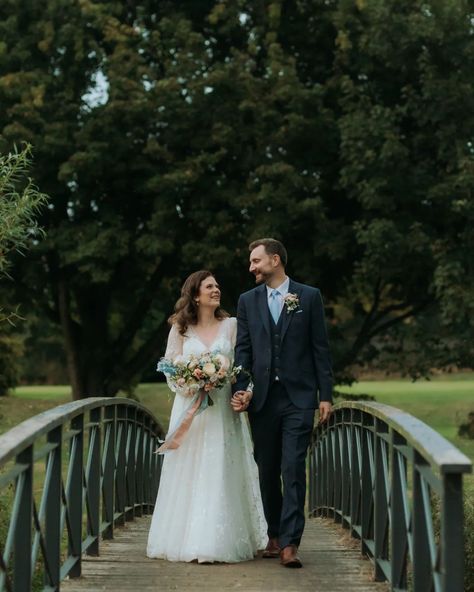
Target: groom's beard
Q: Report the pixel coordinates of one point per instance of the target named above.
(262, 278)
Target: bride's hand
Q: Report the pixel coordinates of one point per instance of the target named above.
(240, 401)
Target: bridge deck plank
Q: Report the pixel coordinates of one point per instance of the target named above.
(330, 565)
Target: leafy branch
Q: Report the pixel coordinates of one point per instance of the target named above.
(20, 202)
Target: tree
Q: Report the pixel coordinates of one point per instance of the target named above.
(170, 136)
(406, 166)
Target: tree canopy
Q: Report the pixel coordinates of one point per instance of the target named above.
(170, 135)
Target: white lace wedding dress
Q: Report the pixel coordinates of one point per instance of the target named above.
(208, 506)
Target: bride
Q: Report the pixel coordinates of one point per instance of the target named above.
(208, 506)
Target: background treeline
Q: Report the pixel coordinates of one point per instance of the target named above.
(167, 135)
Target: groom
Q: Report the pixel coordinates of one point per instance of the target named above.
(282, 343)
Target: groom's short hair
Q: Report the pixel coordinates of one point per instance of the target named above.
(272, 247)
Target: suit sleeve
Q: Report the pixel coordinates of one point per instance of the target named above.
(320, 346)
(243, 348)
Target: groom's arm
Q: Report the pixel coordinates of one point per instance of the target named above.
(243, 349)
(320, 346)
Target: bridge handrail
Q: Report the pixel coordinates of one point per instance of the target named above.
(26, 432)
(100, 470)
(409, 523)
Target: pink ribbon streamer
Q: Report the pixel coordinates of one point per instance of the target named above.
(175, 439)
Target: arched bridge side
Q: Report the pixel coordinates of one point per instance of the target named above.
(73, 474)
(396, 484)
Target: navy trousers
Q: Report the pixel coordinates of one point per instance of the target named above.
(281, 435)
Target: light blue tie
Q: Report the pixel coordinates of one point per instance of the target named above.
(274, 305)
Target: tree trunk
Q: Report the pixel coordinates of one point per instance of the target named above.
(70, 332)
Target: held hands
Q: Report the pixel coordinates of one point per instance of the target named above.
(240, 401)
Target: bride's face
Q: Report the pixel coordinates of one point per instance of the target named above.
(209, 293)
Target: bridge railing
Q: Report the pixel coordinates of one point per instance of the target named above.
(396, 484)
(73, 474)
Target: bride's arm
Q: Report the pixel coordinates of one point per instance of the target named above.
(174, 349)
(174, 346)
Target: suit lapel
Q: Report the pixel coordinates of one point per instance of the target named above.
(288, 316)
(261, 294)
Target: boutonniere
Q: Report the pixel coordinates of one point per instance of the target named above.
(292, 302)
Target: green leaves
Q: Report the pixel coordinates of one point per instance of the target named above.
(20, 203)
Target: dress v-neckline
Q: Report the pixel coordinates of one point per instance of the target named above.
(219, 329)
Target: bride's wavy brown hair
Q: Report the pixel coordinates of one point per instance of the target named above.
(186, 309)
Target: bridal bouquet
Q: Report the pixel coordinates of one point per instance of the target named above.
(209, 371)
(195, 376)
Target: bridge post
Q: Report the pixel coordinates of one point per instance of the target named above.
(346, 472)
(131, 459)
(147, 460)
(53, 509)
(452, 535)
(321, 470)
(398, 547)
(336, 502)
(120, 475)
(367, 493)
(22, 576)
(422, 578)
(356, 460)
(381, 498)
(93, 480)
(74, 492)
(109, 470)
(139, 437)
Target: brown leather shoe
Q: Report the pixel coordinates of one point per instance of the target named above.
(272, 550)
(289, 558)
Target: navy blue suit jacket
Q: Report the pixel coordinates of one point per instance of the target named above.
(305, 367)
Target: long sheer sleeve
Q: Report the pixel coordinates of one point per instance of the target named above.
(233, 331)
(174, 349)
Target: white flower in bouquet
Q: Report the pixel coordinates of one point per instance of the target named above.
(192, 364)
(223, 361)
(209, 369)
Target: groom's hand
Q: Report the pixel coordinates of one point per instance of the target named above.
(325, 410)
(240, 400)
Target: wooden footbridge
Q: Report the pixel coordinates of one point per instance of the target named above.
(385, 506)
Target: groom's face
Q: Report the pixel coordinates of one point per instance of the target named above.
(262, 265)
